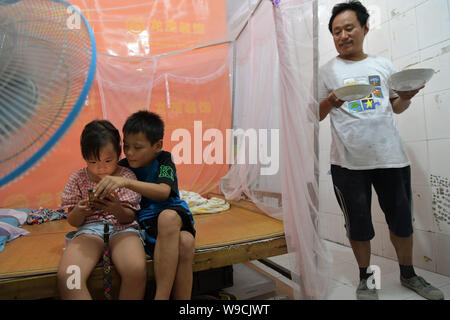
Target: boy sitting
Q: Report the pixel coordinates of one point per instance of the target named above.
(167, 220)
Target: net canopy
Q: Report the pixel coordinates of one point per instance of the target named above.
(234, 82)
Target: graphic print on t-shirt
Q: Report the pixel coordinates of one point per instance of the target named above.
(166, 172)
(370, 102)
(375, 80)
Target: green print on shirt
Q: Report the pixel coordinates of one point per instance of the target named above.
(166, 172)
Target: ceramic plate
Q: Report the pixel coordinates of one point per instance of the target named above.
(353, 92)
(410, 79)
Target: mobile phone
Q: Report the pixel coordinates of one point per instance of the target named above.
(91, 195)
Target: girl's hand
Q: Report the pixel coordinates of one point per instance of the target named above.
(84, 207)
(110, 204)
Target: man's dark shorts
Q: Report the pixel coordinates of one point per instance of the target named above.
(353, 190)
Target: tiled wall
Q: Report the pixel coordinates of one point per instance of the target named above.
(412, 34)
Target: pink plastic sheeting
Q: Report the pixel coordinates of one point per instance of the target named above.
(150, 57)
(183, 94)
(274, 90)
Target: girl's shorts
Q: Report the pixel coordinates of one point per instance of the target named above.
(97, 228)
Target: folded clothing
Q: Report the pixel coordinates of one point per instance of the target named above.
(42, 215)
(199, 205)
(19, 216)
(9, 230)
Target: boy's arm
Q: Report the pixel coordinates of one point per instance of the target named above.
(156, 191)
(150, 190)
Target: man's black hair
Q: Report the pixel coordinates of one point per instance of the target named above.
(146, 122)
(96, 135)
(361, 12)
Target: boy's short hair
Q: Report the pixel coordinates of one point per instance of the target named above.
(361, 12)
(97, 134)
(146, 122)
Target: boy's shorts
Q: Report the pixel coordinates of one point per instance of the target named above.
(97, 228)
(353, 190)
(151, 227)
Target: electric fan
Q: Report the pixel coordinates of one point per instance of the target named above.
(47, 65)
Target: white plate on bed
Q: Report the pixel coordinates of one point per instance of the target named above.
(410, 79)
(353, 92)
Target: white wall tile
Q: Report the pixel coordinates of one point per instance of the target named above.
(388, 248)
(346, 241)
(325, 134)
(437, 114)
(400, 6)
(326, 43)
(327, 56)
(404, 39)
(440, 204)
(376, 244)
(407, 62)
(442, 225)
(377, 213)
(411, 122)
(323, 225)
(417, 152)
(378, 12)
(433, 23)
(439, 154)
(438, 58)
(422, 211)
(442, 254)
(379, 42)
(327, 199)
(324, 165)
(334, 228)
(448, 4)
(423, 250)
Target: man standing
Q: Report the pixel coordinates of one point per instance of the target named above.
(367, 149)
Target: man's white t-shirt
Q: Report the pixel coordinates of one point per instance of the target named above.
(364, 132)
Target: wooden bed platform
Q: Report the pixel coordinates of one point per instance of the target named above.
(28, 265)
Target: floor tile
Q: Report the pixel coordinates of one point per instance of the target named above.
(341, 292)
(436, 279)
(345, 276)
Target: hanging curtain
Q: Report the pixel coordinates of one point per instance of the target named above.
(275, 90)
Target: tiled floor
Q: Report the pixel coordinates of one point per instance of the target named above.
(345, 276)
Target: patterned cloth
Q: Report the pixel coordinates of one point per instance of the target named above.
(42, 215)
(77, 189)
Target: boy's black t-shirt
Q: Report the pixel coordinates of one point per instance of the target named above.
(161, 170)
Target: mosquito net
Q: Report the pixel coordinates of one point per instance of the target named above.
(234, 82)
